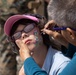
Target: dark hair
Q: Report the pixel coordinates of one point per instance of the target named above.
(40, 25)
(63, 12)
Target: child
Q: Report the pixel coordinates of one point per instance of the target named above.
(34, 46)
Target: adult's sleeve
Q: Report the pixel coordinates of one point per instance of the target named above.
(70, 69)
(31, 67)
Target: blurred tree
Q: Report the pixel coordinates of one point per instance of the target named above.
(7, 58)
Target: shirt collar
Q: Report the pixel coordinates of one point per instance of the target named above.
(48, 59)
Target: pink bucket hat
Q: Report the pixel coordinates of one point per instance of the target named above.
(11, 20)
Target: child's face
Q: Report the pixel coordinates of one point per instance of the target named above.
(29, 35)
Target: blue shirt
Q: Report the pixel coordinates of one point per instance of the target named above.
(54, 63)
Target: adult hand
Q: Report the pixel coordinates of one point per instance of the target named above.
(55, 34)
(23, 50)
(21, 72)
(48, 30)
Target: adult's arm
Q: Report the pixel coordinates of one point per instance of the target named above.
(31, 67)
(70, 69)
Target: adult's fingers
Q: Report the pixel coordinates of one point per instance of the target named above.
(49, 24)
(49, 32)
(18, 42)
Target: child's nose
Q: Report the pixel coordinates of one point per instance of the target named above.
(24, 35)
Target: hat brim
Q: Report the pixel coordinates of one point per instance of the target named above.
(10, 22)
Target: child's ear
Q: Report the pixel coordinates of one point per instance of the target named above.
(71, 33)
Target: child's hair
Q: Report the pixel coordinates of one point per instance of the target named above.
(63, 12)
